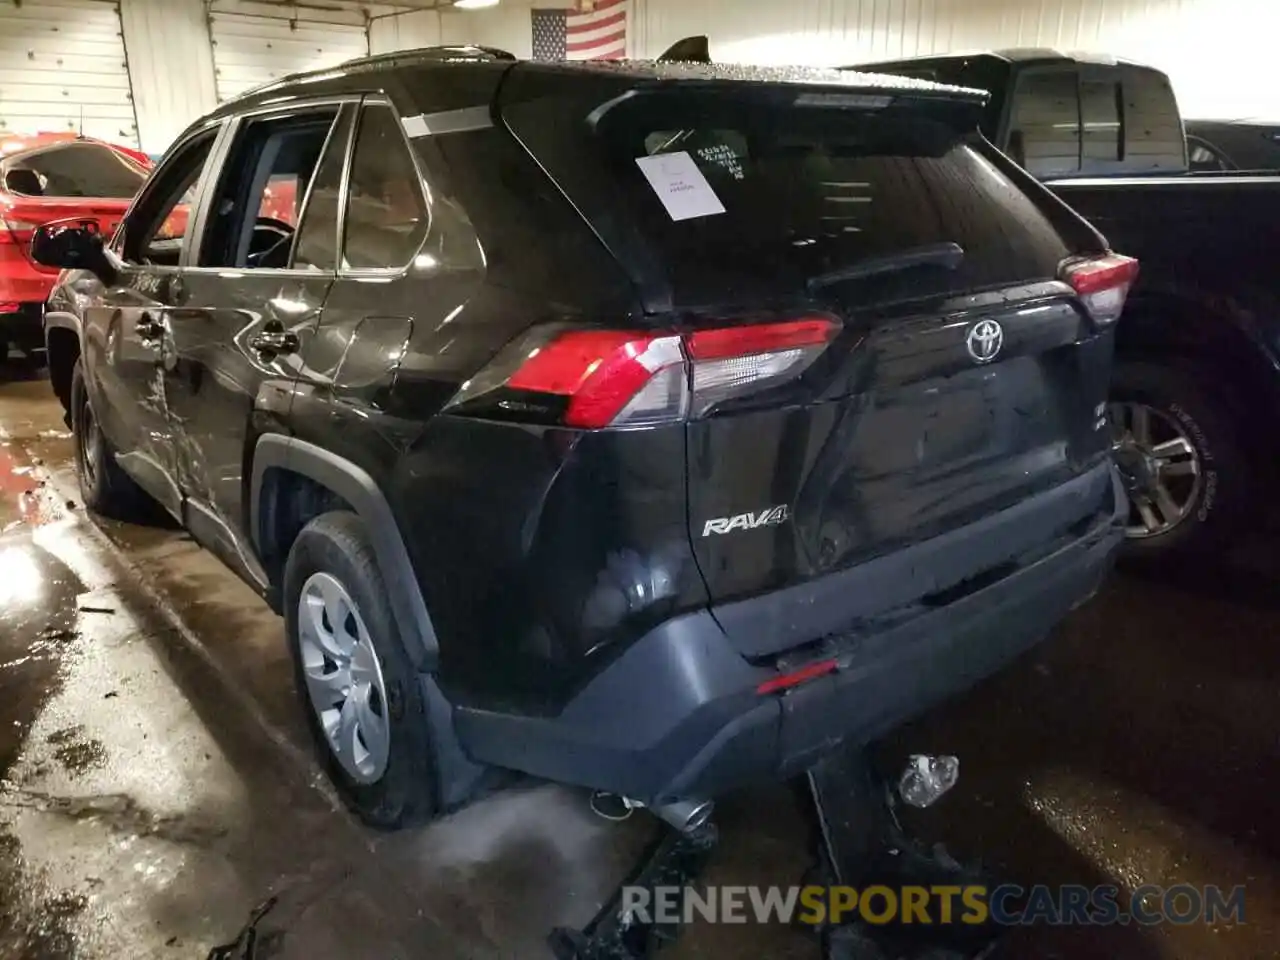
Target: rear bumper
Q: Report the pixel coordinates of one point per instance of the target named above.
(677, 715)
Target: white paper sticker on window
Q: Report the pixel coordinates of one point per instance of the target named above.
(680, 185)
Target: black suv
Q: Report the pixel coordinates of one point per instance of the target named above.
(648, 427)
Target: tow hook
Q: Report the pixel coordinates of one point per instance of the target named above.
(926, 778)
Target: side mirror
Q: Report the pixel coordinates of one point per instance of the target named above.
(72, 245)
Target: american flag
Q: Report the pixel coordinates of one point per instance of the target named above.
(592, 31)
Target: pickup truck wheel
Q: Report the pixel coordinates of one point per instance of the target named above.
(104, 487)
(1188, 477)
(363, 699)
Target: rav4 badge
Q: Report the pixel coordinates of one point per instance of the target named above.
(769, 517)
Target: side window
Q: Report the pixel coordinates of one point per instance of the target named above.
(75, 170)
(254, 211)
(1201, 157)
(159, 223)
(1044, 134)
(386, 221)
(316, 246)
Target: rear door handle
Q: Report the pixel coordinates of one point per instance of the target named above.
(275, 341)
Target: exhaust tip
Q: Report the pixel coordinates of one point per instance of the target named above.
(686, 815)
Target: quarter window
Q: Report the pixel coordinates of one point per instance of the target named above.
(386, 220)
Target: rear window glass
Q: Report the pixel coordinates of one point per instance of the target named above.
(805, 191)
(74, 170)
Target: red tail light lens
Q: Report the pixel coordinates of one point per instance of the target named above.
(603, 373)
(1102, 283)
(607, 378)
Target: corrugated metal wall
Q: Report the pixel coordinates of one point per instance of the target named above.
(171, 66)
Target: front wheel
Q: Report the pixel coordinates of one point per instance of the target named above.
(363, 698)
(104, 487)
(1189, 481)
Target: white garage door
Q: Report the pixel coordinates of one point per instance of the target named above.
(63, 67)
(252, 49)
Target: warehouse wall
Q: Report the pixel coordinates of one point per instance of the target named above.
(505, 26)
(170, 66)
(405, 31)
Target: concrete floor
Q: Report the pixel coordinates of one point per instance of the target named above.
(156, 782)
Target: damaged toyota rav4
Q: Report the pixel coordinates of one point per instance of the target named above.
(648, 427)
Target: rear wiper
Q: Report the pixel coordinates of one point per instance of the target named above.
(946, 255)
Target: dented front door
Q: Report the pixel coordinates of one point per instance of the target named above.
(125, 341)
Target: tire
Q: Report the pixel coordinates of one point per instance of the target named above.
(104, 487)
(402, 789)
(1216, 508)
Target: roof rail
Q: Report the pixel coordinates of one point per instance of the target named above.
(452, 51)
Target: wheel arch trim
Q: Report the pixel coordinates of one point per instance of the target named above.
(357, 488)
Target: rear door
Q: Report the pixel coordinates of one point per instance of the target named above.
(250, 299)
(959, 375)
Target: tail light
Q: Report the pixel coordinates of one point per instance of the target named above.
(1102, 283)
(607, 378)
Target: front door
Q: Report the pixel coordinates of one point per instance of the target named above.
(249, 305)
(125, 328)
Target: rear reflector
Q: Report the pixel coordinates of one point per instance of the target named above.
(1103, 284)
(7, 306)
(786, 681)
(609, 378)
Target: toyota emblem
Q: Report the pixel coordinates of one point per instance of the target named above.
(984, 340)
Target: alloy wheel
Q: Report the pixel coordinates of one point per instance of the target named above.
(1160, 465)
(343, 677)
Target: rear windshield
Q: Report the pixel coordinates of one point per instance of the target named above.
(736, 194)
(74, 170)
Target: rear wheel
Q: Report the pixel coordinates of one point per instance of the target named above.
(1189, 480)
(104, 487)
(363, 698)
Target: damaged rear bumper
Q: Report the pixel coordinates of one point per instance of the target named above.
(677, 714)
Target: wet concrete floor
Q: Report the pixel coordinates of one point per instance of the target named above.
(156, 783)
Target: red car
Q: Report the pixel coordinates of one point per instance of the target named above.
(46, 177)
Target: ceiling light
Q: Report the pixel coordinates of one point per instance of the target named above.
(473, 4)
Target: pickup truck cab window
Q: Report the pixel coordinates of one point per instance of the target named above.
(1044, 131)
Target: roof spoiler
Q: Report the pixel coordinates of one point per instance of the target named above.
(688, 50)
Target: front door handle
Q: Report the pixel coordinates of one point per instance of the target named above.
(275, 341)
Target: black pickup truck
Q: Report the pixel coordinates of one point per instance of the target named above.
(1196, 390)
